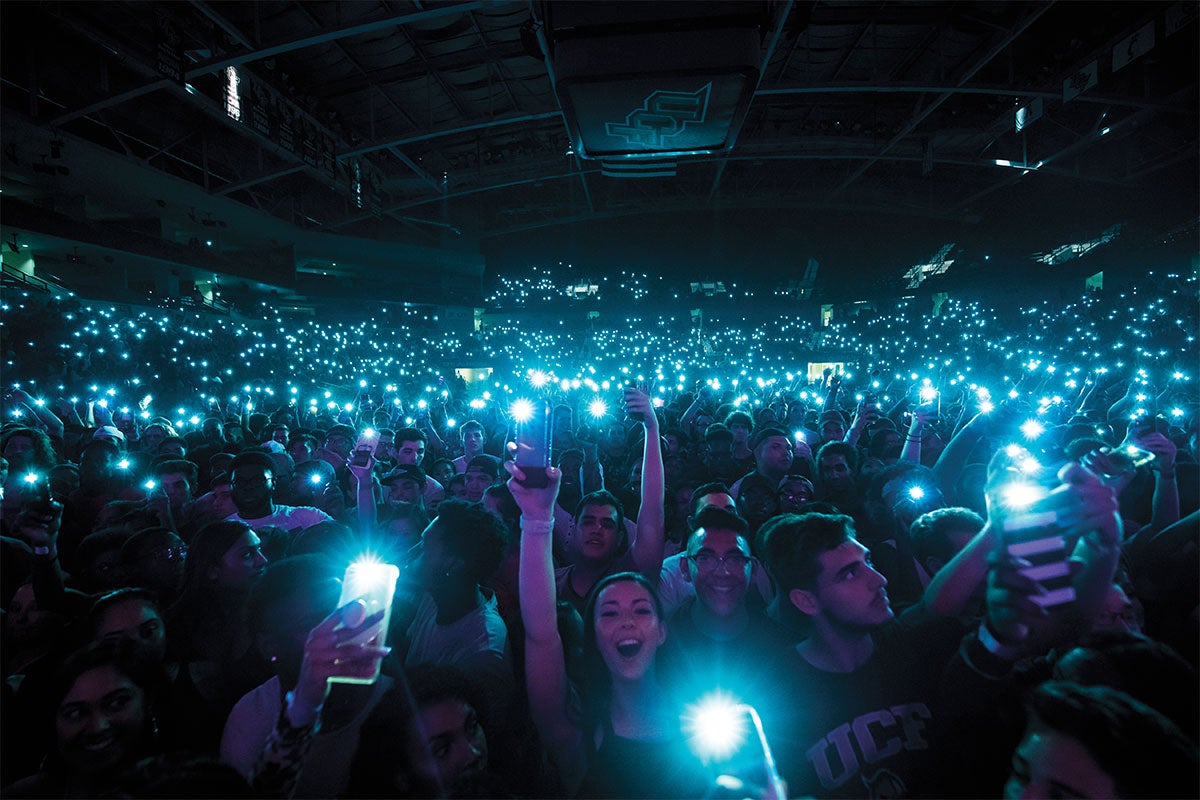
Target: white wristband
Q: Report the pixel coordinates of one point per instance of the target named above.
(995, 646)
(537, 526)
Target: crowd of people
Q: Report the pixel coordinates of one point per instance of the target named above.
(961, 560)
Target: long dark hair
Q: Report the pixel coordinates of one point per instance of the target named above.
(199, 611)
(596, 692)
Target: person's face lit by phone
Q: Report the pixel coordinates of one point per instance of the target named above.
(410, 452)
(339, 444)
(403, 490)
(472, 441)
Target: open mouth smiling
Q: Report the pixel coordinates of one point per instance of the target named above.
(628, 648)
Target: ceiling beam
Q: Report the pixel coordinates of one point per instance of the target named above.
(999, 91)
(395, 20)
(766, 62)
(230, 29)
(1000, 46)
(216, 65)
(424, 137)
(270, 176)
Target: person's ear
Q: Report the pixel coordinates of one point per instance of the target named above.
(687, 568)
(805, 601)
(455, 565)
(662, 632)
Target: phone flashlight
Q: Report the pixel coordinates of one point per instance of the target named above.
(374, 585)
(532, 419)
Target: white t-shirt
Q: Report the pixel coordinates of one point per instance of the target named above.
(287, 517)
(477, 644)
(326, 771)
(434, 492)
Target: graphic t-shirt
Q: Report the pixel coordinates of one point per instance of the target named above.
(869, 733)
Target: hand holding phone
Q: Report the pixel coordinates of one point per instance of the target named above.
(637, 404)
(365, 609)
(331, 655)
(533, 443)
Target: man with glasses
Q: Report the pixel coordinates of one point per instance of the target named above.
(722, 637)
(252, 487)
(794, 493)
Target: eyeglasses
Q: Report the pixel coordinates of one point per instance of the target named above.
(250, 483)
(708, 562)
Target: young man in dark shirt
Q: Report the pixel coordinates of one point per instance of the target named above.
(877, 703)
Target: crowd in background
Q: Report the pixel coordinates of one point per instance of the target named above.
(835, 544)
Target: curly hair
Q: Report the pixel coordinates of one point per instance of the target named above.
(41, 457)
(475, 535)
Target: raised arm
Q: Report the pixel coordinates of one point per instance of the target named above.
(1165, 506)
(40, 411)
(916, 431)
(949, 591)
(647, 546)
(364, 481)
(865, 414)
(953, 459)
(545, 667)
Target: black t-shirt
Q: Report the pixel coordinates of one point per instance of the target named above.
(867, 733)
(644, 770)
(748, 668)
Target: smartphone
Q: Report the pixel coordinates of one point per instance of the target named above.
(35, 494)
(533, 446)
(636, 416)
(1138, 455)
(364, 447)
(1036, 537)
(374, 584)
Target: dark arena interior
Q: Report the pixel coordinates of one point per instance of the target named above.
(563, 398)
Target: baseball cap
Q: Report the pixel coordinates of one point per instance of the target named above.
(409, 472)
(109, 432)
(489, 465)
(763, 434)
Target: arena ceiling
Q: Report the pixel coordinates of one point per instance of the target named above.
(438, 123)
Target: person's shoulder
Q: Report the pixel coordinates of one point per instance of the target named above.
(301, 512)
(766, 631)
(263, 696)
(623, 563)
(673, 563)
(681, 618)
(914, 634)
(39, 784)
